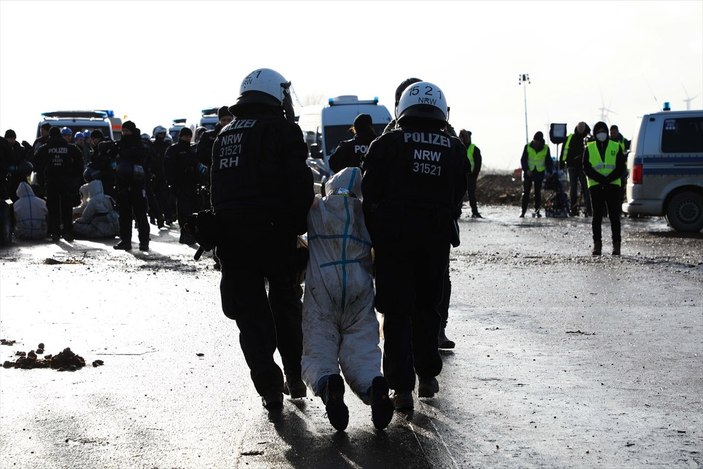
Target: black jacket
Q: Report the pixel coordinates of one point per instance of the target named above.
(350, 153)
(414, 182)
(259, 170)
(204, 150)
(132, 162)
(573, 153)
(181, 167)
(60, 164)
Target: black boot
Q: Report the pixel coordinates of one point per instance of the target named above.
(616, 248)
(597, 248)
(333, 397)
(443, 342)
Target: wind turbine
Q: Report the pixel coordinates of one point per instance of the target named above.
(688, 98)
(604, 111)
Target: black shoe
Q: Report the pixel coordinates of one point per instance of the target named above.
(68, 237)
(427, 387)
(443, 342)
(55, 237)
(123, 245)
(403, 400)
(381, 405)
(272, 401)
(333, 397)
(522, 215)
(616, 249)
(597, 248)
(160, 223)
(476, 215)
(295, 389)
(144, 247)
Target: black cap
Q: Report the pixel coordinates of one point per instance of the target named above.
(131, 126)
(185, 131)
(9, 133)
(96, 134)
(539, 136)
(362, 120)
(54, 132)
(223, 112)
(46, 126)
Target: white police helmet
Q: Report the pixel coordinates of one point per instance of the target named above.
(262, 86)
(422, 99)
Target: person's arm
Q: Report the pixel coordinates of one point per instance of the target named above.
(478, 161)
(523, 161)
(548, 163)
(620, 166)
(589, 170)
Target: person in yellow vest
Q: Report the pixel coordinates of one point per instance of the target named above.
(572, 159)
(535, 160)
(604, 163)
(473, 153)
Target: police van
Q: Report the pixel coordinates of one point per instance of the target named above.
(325, 126)
(208, 118)
(79, 121)
(666, 169)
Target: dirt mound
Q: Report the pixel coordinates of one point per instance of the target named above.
(65, 360)
(498, 189)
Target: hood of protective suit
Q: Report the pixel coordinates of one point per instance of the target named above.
(95, 187)
(347, 182)
(24, 190)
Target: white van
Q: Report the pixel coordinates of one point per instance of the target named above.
(208, 118)
(666, 169)
(79, 121)
(326, 126)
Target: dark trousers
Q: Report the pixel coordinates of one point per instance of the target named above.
(185, 204)
(602, 196)
(471, 191)
(131, 205)
(578, 178)
(537, 178)
(267, 320)
(446, 296)
(60, 210)
(409, 285)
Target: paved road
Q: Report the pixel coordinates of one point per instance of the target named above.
(563, 360)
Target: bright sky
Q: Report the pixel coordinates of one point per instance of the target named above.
(154, 61)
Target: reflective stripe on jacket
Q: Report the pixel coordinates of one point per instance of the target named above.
(605, 165)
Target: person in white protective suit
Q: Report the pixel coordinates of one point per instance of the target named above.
(340, 328)
(99, 218)
(30, 214)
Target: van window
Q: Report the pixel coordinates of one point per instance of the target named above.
(683, 135)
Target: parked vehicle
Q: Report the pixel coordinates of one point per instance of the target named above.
(665, 166)
(79, 121)
(209, 118)
(325, 126)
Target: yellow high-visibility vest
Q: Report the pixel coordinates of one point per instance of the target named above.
(470, 155)
(603, 166)
(535, 159)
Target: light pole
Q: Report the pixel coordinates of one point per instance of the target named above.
(524, 79)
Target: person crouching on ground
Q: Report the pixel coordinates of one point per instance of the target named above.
(99, 218)
(340, 328)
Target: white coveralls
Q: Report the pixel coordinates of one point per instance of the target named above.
(339, 322)
(99, 218)
(30, 214)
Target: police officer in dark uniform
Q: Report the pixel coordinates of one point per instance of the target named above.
(261, 190)
(349, 153)
(413, 186)
(61, 165)
(204, 149)
(130, 187)
(103, 163)
(183, 173)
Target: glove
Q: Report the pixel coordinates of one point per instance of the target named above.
(203, 227)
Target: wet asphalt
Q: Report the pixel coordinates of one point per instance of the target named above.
(562, 360)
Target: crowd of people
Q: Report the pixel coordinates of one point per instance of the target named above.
(377, 241)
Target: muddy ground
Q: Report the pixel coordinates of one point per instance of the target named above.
(562, 359)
